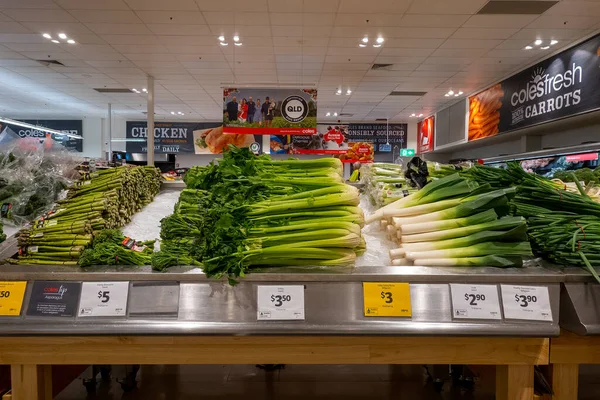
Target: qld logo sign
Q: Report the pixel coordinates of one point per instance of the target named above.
(294, 109)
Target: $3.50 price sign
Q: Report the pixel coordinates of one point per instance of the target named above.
(11, 298)
(475, 301)
(280, 302)
(386, 299)
(526, 302)
(103, 299)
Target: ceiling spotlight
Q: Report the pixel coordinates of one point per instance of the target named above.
(528, 47)
(335, 114)
(238, 43)
(420, 115)
(456, 95)
(348, 92)
(47, 36)
(222, 38)
(224, 43)
(365, 40)
(135, 90)
(553, 42)
(62, 36)
(380, 40)
(328, 114)
(55, 41)
(338, 92)
(172, 112)
(459, 93)
(413, 115)
(236, 38)
(179, 112)
(447, 95)
(545, 47)
(71, 41)
(145, 90)
(450, 92)
(376, 45)
(362, 45)
(538, 42)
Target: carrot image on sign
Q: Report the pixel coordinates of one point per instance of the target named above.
(484, 113)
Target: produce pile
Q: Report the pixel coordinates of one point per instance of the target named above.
(563, 227)
(111, 247)
(455, 221)
(2, 234)
(106, 200)
(247, 211)
(585, 175)
(384, 183)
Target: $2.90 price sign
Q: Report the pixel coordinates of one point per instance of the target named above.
(475, 301)
(280, 302)
(526, 302)
(103, 299)
(11, 298)
(386, 299)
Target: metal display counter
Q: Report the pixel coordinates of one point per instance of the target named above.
(181, 317)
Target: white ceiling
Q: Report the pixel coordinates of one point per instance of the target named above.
(435, 45)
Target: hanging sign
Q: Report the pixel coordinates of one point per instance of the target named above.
(72, 127)
(561, 86)
(425, 135)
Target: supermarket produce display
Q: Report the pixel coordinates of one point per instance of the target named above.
(245, 211)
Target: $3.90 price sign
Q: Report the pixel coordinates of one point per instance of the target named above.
(103, 299)
(475, 301)
(386, 299)
(526, 302)
(280, 302)
(11, 298)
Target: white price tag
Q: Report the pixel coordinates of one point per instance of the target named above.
(526, 302)
(103, 299)
(280, 302)
(475, 301)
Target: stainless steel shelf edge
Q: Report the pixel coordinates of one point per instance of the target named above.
(580, 303)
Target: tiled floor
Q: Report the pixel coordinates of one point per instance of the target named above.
(294, 382)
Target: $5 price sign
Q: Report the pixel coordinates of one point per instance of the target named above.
(103, 299)
(104, 296)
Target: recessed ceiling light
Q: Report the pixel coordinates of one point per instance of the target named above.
(413, 115)
(459, 93)
(450, 92)
(456, 95)
(420, 115)
(135, 90)
(376, 45)
(335, 114)
(224, 43)
(447, 95)
(172, 112)
(238, 44)
(145, 90)
(362, 45)
(365, 40)
(222, 38)
(538, 42)
(328, 114)
(338, 92)
(236, 38)
(62, 36)
(553, 42)
(71, 41)
(55, 41)
(47, 36)
(348, 92)
(528, 47)
(380, 39)
(545, 47)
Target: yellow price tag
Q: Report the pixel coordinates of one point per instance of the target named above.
(11, 298)
(383, 299)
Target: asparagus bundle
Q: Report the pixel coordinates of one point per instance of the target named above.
(251, 211)
(103, 200)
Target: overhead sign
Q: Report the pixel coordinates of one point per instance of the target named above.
(186, 137)
(407, 152)
(260, 111)
(425, 135)
(72, 127)
(561, 86)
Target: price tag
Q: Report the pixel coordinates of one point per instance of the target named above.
(526, 302)
(103, 299)
(386, 299)
(280, 302)
(11, 298)
(475, 301)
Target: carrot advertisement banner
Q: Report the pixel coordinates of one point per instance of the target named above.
(425, 135)
(561, 86)
(260, 111)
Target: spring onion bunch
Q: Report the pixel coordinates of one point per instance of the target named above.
(245, 211)
(384, 183)
(563, 227)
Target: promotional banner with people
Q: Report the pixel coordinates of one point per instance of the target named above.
(262, 111)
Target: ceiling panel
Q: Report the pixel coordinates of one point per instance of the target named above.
(484, 33)
(119, 29)
(161, 5)
(446, 7)
(92, 4)
(38, 15)
(36, 4)
(104, 16)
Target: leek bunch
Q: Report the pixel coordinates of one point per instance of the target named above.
(384, 183)
(454, 221)
(245, 211)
